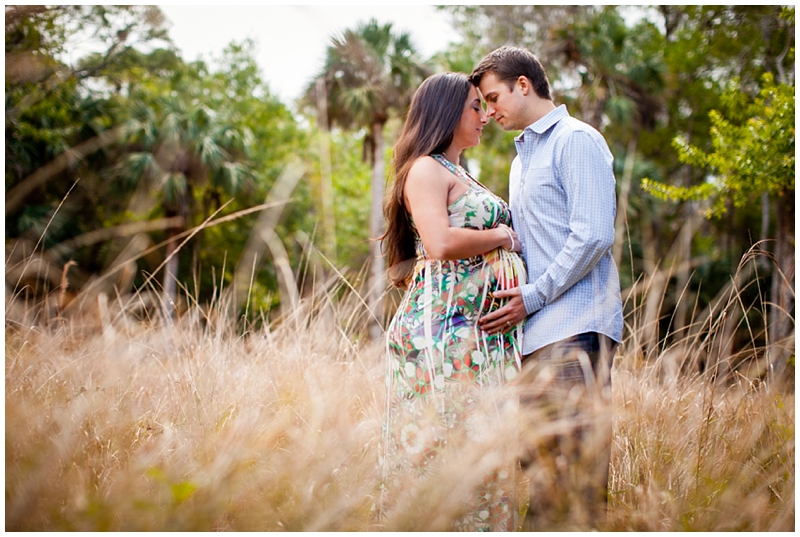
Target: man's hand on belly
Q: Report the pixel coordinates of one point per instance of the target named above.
(505, 318)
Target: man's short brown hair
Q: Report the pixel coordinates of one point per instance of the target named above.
(508, 64)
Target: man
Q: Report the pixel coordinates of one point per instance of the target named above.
(563, 203)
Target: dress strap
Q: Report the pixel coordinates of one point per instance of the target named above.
(458, 171)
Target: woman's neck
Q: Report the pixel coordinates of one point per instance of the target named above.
(452, 154)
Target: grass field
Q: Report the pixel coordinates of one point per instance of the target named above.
(207, 425)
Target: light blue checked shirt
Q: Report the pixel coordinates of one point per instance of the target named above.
(563, 202)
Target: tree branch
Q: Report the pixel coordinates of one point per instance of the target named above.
(17, 194)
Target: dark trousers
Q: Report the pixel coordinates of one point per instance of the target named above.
(565, 432)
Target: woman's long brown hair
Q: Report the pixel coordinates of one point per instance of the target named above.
(432, 118)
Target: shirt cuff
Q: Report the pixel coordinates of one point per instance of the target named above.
(532, 300)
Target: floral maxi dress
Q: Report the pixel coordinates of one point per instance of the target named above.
(443, 367)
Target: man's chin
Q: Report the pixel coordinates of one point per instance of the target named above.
(504, 124)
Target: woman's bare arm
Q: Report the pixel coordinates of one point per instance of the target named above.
(427, 191)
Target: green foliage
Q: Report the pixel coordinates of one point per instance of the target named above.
(51, 106)
(370, 72)
(667, 192)
(620, 68)
(644, 76)
(194, 137)
(237, 120)
(180, 491)
(658, 81)
(754, 151)
(351, 183)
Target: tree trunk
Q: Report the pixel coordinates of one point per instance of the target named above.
(683, 269)
(171, 266)
(621, 222)
(781, 311)
(376, 283)
(171, 277)
(325, 171)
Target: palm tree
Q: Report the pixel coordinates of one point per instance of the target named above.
(177, 146)
(370, 73)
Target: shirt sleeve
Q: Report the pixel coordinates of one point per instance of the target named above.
(587, 176)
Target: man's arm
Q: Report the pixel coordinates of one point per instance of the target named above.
(588, 179)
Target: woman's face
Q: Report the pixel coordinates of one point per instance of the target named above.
(473, 118)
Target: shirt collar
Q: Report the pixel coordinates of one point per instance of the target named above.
(541, 125)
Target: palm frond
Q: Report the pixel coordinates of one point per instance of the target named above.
(209, 152)
(173, 185)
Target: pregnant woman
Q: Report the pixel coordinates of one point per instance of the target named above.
(450, 245)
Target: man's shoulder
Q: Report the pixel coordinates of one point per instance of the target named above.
(570, 125)
(574, 133)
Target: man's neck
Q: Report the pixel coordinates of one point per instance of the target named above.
(540, 108)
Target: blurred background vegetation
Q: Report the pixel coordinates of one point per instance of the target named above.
(115, 161)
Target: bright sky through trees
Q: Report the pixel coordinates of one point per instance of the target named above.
(291, 40)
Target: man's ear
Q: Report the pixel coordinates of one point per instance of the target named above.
(524, 85)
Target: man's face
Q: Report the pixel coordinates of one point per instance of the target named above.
(502, 104)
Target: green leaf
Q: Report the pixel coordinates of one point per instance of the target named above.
(182, 491)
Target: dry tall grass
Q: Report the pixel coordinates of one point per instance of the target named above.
(205, 425)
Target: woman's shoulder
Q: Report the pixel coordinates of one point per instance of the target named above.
(426, 166)
(425, 162)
